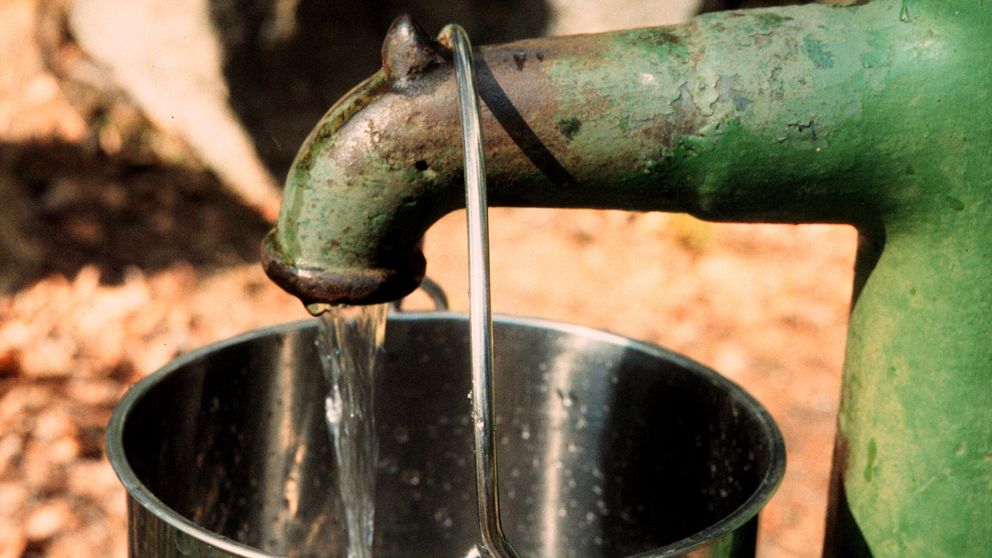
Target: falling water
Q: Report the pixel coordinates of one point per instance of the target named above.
(349, 339)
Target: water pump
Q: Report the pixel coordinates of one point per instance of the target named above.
(875, 114)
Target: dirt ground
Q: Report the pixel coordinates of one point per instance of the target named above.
(113, 260)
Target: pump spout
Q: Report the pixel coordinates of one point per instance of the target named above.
(760, 115)
(789, 115)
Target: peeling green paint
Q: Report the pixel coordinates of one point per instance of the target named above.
(817, 51)
(905, 15)
(954, 203)
(568, 127)
(769, 20)
(870, 465)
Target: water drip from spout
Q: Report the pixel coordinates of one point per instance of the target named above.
(349, 340)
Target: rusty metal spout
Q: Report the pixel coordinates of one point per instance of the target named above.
(343, 234)
(648, 119)
(874, 114)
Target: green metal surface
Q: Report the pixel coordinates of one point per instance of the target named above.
(877, 115)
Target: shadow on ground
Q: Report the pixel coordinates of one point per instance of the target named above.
(65, 207)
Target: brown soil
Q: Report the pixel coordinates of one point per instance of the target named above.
(112, 262)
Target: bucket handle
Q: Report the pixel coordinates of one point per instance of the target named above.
(433, 291)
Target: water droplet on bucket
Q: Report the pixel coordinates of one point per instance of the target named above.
(566, 397)
(410, 477)
(443, 517)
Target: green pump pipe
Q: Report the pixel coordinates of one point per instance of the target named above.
(875, 114)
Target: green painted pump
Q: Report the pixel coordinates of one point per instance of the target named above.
(876, 113)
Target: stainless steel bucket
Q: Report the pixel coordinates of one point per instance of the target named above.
(609, 447)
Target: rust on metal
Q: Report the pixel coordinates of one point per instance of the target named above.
(353, 286)
(408, 52)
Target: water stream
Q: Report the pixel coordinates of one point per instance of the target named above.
(349, 339)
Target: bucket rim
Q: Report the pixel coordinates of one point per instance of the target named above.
(749, 509)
